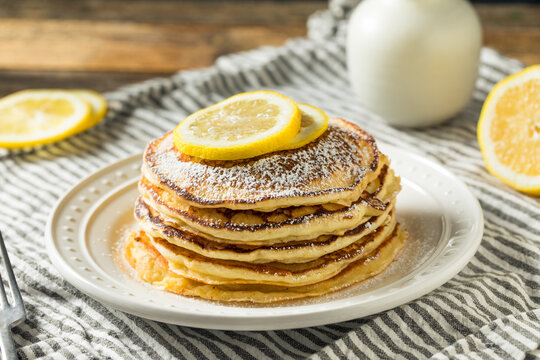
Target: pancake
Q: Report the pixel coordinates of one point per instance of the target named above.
(285, 252)
(281, 226)
(221, 272)
(153, 268)
(291, 223)
(335, 168)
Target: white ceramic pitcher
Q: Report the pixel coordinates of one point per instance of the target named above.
(414, 62)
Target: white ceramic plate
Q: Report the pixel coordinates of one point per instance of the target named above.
(85, 231)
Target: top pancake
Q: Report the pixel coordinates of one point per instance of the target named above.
(335, 168)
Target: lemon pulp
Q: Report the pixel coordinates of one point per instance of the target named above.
(242, 126)
(34, 117)
(509, 130)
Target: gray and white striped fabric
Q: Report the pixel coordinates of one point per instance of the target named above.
(489, 310)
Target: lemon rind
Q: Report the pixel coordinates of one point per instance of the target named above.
(307, 135)
(66, 129)
(520, 182)
(98, 106)
(262, 143)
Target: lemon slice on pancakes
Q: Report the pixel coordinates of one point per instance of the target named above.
(313, 124)
(240, 127)
(509, 131)
(35, 117)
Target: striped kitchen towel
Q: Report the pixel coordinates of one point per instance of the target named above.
(489, 310)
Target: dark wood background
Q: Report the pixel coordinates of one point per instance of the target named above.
(104, 44)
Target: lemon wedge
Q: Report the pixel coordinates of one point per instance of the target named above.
(98, 106)
(34, 117)
(313, 124)
(509, 131)
(240, 127)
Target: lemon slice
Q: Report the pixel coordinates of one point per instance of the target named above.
(240, 127)
(34, 117)
(313, 124)
(509, 131)
(98, 106)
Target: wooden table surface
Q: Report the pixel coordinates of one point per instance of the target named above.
(104, 44)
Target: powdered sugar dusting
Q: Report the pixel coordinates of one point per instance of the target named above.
(338, 160)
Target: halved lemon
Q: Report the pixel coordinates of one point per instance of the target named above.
(313, 124)
(509, 131)
(98, 106)
(34, 117)
(240, 127)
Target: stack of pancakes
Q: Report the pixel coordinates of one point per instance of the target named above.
(281, 226)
